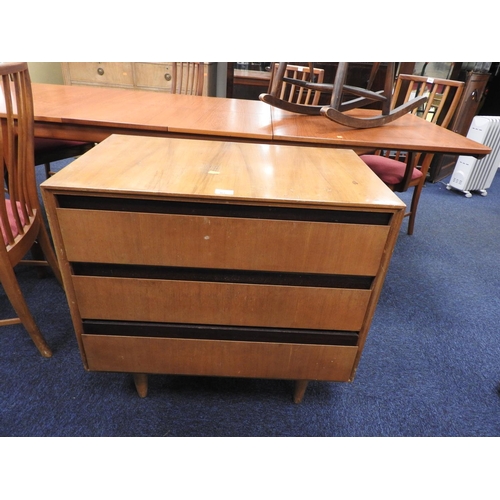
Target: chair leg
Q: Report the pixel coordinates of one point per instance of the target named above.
(48, 173)
(413, 207)
(425, 162)
(15, 295)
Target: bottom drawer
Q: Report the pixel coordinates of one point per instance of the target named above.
(219, 358)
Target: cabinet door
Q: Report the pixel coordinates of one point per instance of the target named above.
(443, 164)
(153, 76)
(139, 75)
(469, 103)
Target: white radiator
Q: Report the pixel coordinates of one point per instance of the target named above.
(471, 174)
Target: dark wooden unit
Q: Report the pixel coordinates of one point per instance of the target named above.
(473, 96)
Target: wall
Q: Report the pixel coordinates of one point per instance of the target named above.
(221, 79)
(45, 72)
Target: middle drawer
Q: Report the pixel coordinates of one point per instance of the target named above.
(156, 300)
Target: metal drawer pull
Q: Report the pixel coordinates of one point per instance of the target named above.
(168, 77)
(100, 71)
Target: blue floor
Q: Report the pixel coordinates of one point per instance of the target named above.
(430, 368)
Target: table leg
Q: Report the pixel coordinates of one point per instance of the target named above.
(141, 384)
(300, 389)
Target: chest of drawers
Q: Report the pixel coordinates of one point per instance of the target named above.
(155, 76)
(223, 259)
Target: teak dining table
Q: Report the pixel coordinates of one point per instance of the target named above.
(94, 113)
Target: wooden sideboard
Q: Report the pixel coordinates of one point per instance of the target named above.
(219, 258)
(131, 75)
(442, 165)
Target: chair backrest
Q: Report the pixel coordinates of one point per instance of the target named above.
(443, 96)
(188, 78)
(299, 95)
(19, 200)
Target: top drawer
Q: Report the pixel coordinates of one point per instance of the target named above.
(210, 241)
(102, 73)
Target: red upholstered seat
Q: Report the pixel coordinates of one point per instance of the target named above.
(390, 171)
(442, 99)
(12, 221)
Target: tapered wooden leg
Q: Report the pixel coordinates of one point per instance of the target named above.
(141, 384)
(416, 194)
(15, 295)
(300, 389)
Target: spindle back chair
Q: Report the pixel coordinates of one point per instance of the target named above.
(21, 222)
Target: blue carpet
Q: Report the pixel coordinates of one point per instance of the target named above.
(431, 365)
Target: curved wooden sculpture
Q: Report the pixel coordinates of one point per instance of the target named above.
(359, 97)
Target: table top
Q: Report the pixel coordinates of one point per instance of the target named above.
(167, 168)
(141, 110)
(408, 133)
(93, 113)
